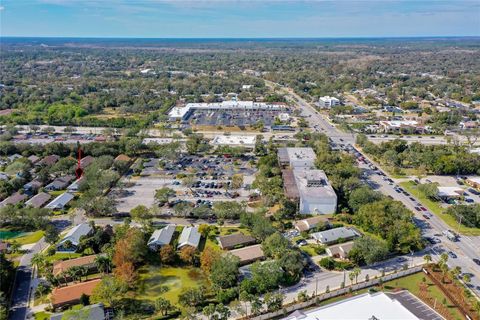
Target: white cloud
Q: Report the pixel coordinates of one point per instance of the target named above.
(2, 8)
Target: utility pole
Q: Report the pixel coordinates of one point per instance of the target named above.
(316, 286)
(458, 226)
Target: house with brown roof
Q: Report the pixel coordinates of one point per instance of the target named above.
(122, 157)
(86, 161)
(65, 265)
(39, 200)
(33, 159)
(65, 296)
(310, 223)
(249, 254)
(340, 250)
(48, 160)
(235, 240)
(13, 199)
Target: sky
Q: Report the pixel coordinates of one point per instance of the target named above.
(239, 18)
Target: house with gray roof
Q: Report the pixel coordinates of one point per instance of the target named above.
(73, 237)
(91, 312)
(60, 183)
(161, 237)
(13, 199)
(334, 235)
(60, 202)
(39, 200)
(189, 237)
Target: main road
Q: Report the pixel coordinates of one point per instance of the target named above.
(466, 249)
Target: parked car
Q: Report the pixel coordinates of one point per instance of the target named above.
(452, 254)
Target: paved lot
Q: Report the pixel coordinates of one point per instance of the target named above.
(233, 117)
(415, 306)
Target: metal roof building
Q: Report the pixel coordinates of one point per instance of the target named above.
(315, 192)
(73, 236)
(189, 237)
(161, 237)
(296, 157)
(60, 202)
(333, 235)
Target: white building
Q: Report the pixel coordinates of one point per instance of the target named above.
(161, 237)
(377, 306)
(234, 141)
(334, 235)
(450, 192)
(61, 201)
(315, 192)
(328, 102)
(181, 113)
(189, 237)
(297, 157)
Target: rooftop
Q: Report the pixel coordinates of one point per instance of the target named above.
(38, 200)
(250, 253)
(71, 294)
(297, 157)
(162, 236)
(233, 240)
(313, 184)
(61, 266)
(189, 236)
(332, 235)
(60, 201)
(368, 307)
(234, 140)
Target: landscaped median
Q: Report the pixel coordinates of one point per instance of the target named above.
(436, 209)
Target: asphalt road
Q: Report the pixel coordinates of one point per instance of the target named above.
(21, 289)
(467, 248)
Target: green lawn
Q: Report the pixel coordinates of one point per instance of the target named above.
(30, 237)
(63, 256)
(42, 315)
(411, 283)
(310, 249)
(153, 280)
(435, 208)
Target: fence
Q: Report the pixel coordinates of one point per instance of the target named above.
(335, 293)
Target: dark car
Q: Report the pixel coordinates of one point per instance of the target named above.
(477, 261)
(473, 191)
(426, 216)
(418, 209)
(423, 208)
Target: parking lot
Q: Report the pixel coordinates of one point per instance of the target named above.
(209, 180)
(234, 117)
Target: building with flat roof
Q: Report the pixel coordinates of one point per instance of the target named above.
(334, 235)
(402, 126)
(328, 102)
(161, 237)
(316, 195)
(296, 157)
(450, 192)
(371, 306)
(182, 113)
(234, 141)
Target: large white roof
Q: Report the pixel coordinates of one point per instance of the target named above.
(363, 307)
(163, 236)
(322, 190)
(189, 237)
(234, 140)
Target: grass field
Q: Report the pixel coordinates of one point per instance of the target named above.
(153, 282)
(63, 256)
(411, 283)
(30, 237)
(435, 208)
(42, 315)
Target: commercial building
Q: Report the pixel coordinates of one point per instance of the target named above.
(402, 126)
(328, 102)
(335, 235)
(296, 157)
(450, 192)
(310, 187)
(161, 237)
(234, 141)
(71, 240)
(371, 306)
(189, 237)
(182, 113)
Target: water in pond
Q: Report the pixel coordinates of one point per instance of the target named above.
(7, 234)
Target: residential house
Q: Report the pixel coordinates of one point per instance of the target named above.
(161, 237)
(33, 159)
(13, 199)
(63, 266)
(189, 237)
(92, 312)
(38, 200)
(71, 240)
(235, 240)
(75, 185)
(340, 250)
(310, 223)
(70, 295)
(60, 183)
(335, 235)
(32, 186)
(86, 161)
(60, 202)
(249, 254)
(48, 160)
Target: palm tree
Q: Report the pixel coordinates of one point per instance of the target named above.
(351, 276)
(103, 264)
(83, 272)
(456, 271)
(356, 271)
(39, 261)
(444, 269)
(427, 258)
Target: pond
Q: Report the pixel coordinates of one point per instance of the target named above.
(8, 234)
